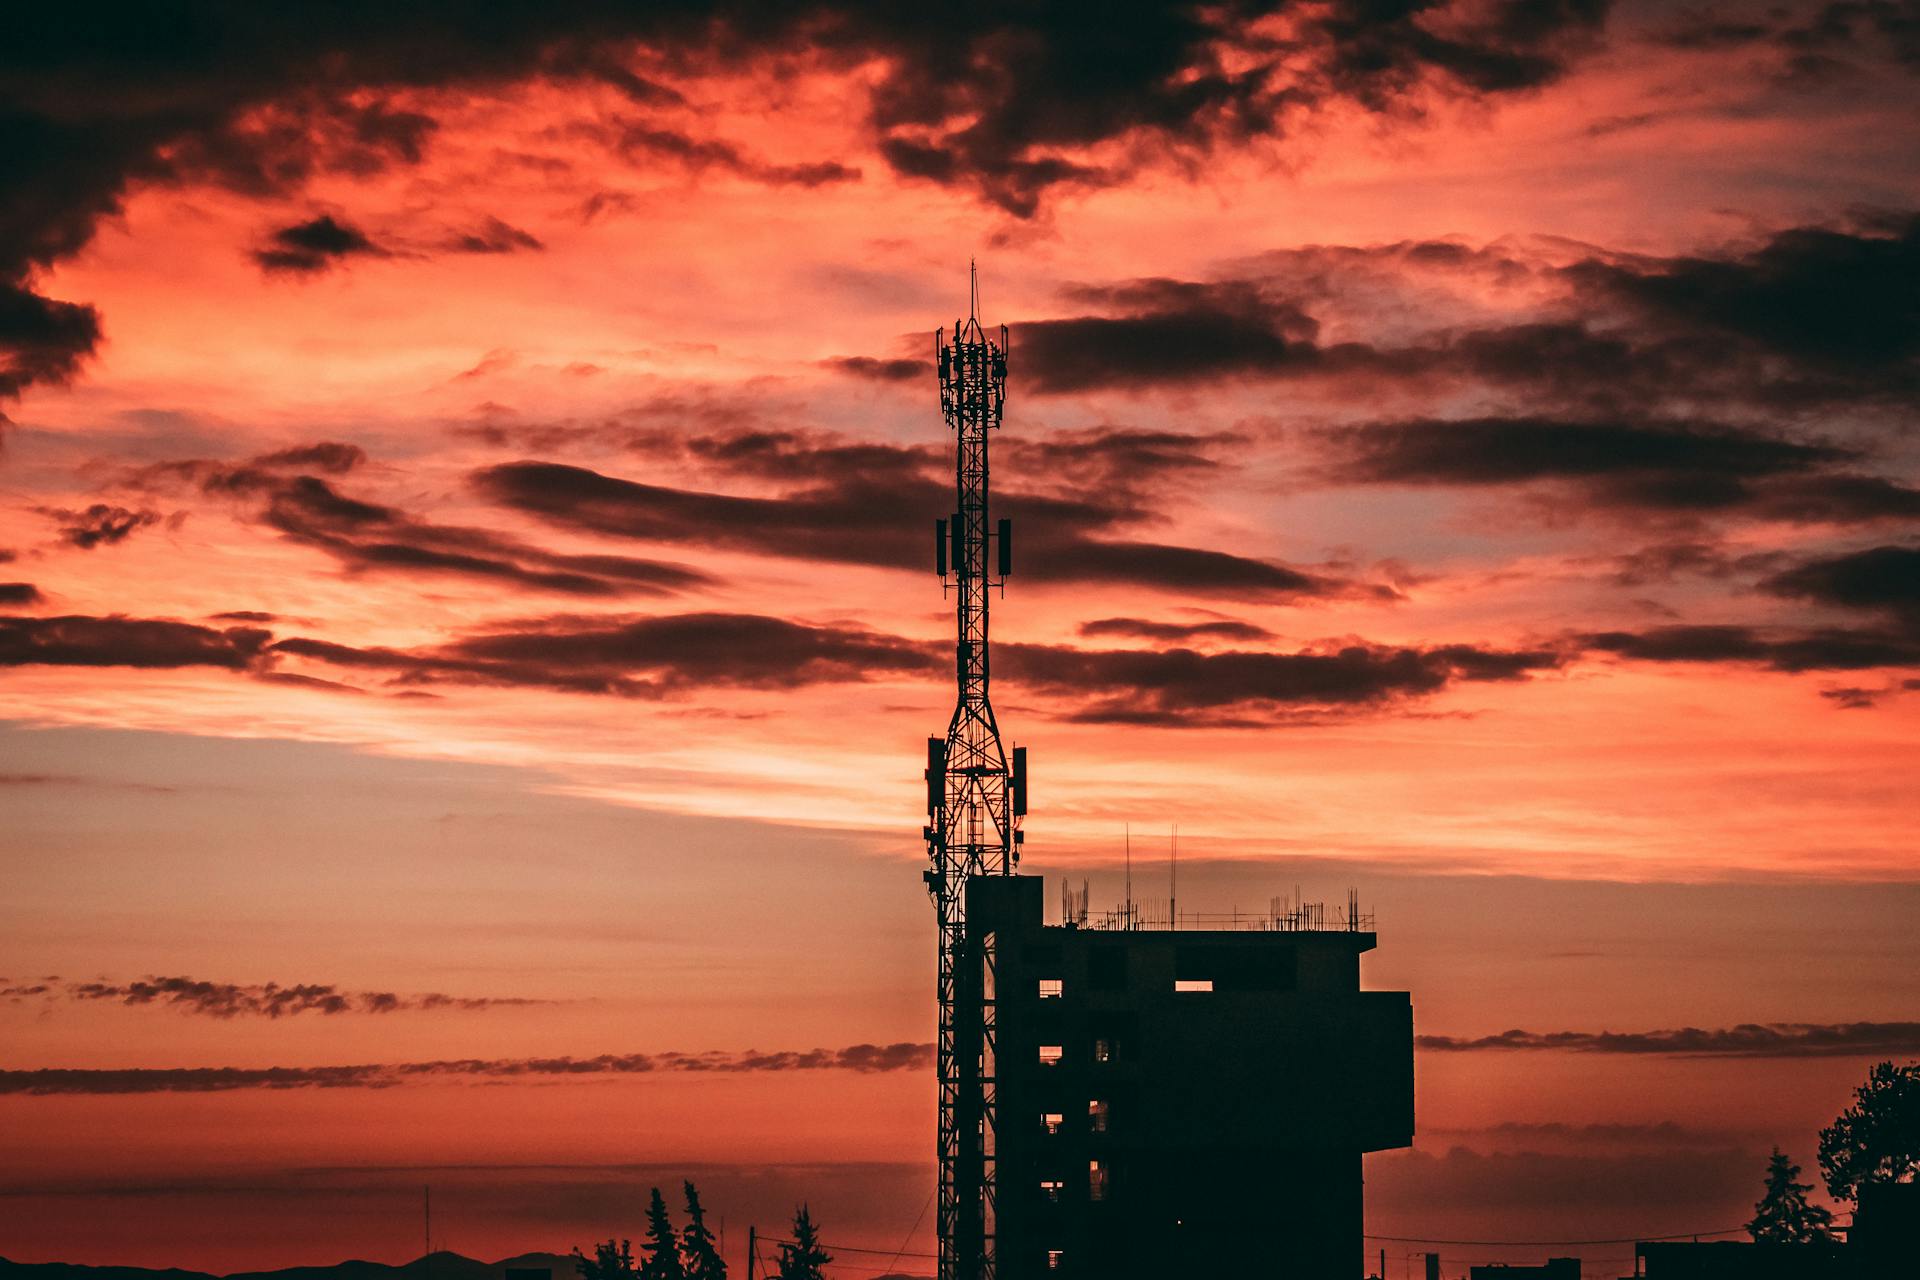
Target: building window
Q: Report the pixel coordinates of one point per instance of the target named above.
(1193, 984)
(1103, 1049)
(1050, 1054)
(1051, 1189)
(1097, 1116)
(1053, 1122)
(1096, 1180)
(1051, 988)
(1054, 1257)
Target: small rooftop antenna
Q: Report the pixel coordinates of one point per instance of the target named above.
(973, 290)
(1173, 874)
(1128, 828)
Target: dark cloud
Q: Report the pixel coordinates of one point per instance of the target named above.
(1748, 1040)
(1854, 697)
(130, 1080)
(645, 657)
(307, 248)
(1070, 75)
(367, 536)
(1663, 463)
(676, 655)
(1168, 331)
(266, 1000)
(327, 455)
(1665, 561)
(494, 236)
(1822, 649)
(74, 641)
(1686, 468)
(19, 593)
(999, 101)
(1174, 632)
(1769, 330)
(791, 456)
(883, 520)
(1849, 299)
(1510, 46)
(1878, 579)
(877, 370)
(100, 524)
(1125, 459)
(1184, 688)
(372, 537)
(1050, 557)
(699, 154)
(42, 340)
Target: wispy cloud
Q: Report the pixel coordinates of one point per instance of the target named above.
(126, 1080)
(259, 999)
(1747, 1040)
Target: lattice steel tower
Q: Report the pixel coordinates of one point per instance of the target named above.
(975, 800)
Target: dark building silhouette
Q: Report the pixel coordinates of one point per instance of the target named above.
(1886, 1227)
(1179, 1102)
(1745, 1260)
(1551, 1269)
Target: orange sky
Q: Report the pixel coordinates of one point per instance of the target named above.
(479, 552)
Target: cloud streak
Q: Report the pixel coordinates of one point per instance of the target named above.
(228, 1000)
(1747, 1040)
(69, 1081)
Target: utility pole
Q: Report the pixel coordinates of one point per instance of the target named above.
(975, 800)
(752, 1251)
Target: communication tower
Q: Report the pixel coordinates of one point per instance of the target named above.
(975, 800)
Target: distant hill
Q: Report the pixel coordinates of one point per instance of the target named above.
(434, 1266)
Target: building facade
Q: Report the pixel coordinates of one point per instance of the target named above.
(1178, 1103)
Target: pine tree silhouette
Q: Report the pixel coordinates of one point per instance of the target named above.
(610, 1261)
(803, 1259)
(1783, 1215)
(701, 1260)
(662, 1246)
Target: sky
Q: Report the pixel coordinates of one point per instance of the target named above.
(468, 625)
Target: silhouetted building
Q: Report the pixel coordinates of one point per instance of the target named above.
(1178, 1103)
(1551, 1269)
(1886, 1227)
(1745, 1260)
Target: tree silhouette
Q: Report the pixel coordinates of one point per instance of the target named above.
(701, 1260)
(1877, 1139)
(803, 1259)
(609, 1261)
(662, 1247)
(1783, 1215)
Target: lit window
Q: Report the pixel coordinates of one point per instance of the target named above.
(1050, 1055)
(1051, 988)
(1096, 1180)
(1052, 1121)
(1053, 1258)
(1097, 1116)
(1103, 1050)
(1052, 1188)
(1193, 984)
